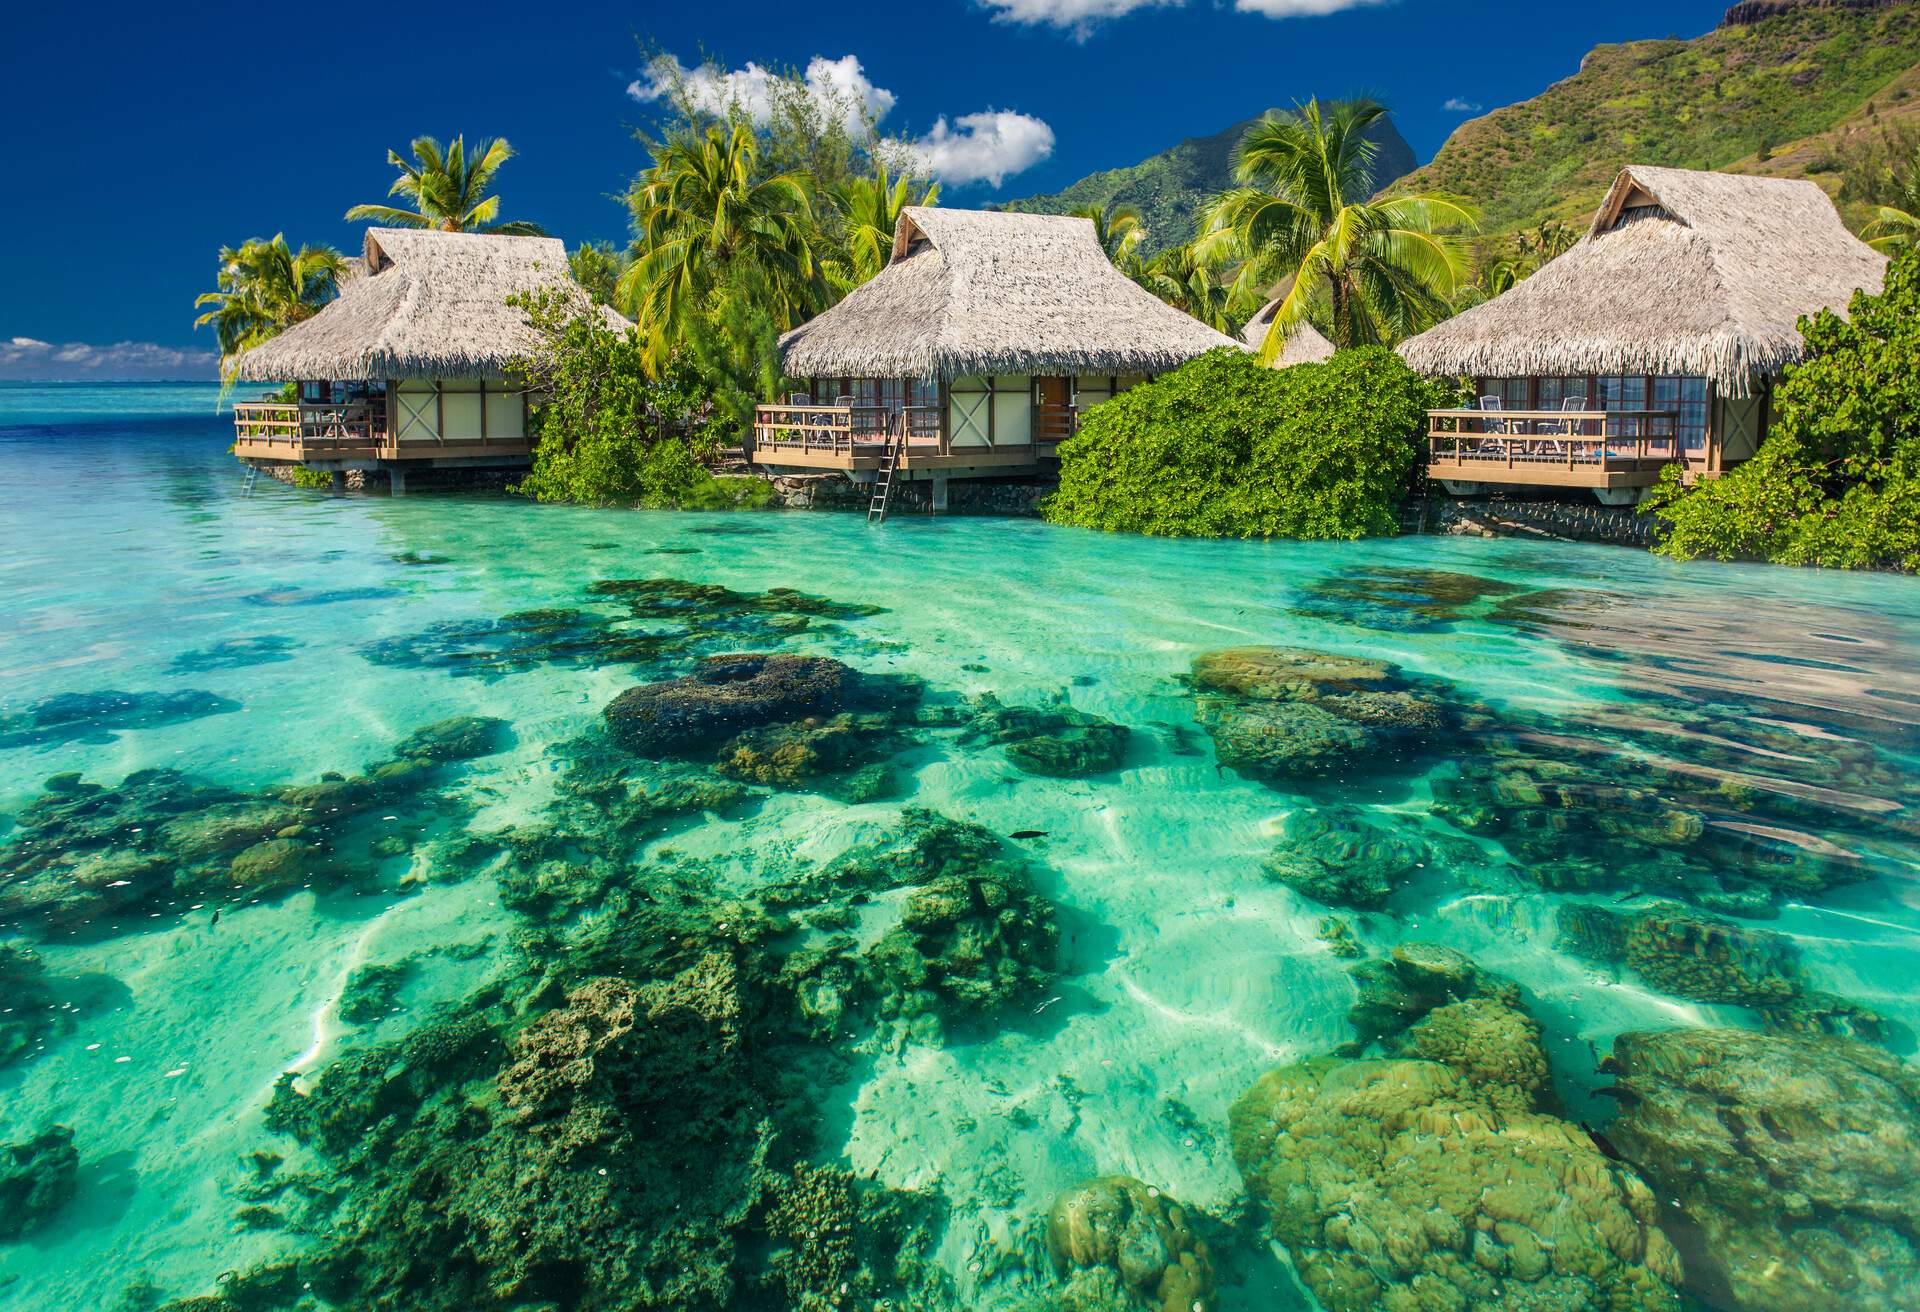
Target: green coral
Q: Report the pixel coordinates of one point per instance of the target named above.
(1057, 740)
(1397, 990)
(29, 1014)
(1117, 1230)
(1400, 1186)
(1333, 855)
(1796, 1160)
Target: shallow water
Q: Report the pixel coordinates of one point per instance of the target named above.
(130, 560)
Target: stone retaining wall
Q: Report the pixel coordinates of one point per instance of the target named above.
(964, 496)
(1563, 521)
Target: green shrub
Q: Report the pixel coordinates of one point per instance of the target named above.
(1837, 482)
(605, 433)
(311, 478)
(1226, 447)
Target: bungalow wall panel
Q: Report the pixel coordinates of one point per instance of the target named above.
(505, 414)
(1012, 411)
(967, 408)
(416, 412)
(1738, 427)
(460, 411)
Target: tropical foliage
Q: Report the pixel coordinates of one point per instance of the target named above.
(1837, 482)
(1362, 271)
(264, 288)
(1119, 231)
(1896, 216)
(869, 210)
(446, 187)
(1184, 278)
(597, 266)
(606, 431)
(1226, 447)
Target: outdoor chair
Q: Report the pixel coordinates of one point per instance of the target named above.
(1565, 429)
(1496, 430)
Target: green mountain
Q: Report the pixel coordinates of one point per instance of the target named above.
(1768, 91)
(1169, 188)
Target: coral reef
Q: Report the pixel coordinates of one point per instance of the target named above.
(1056, 740)
(159, 841)
(372, 992)
(98, 717)
(236, 653)
(1397, 990)
(1333, 855)
(1401, 599)
(1287, 714)
(843, 756)
(1704, 959)
(1117, 1226)
(1795, 1161)
(1402, 1186)
(1338, 935)
(524, 640)
(37, 1178)
(29, 1015)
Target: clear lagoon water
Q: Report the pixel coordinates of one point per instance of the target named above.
(779, 1006)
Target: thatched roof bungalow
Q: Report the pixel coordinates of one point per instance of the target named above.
(410, 361)
(978, 347)
(1668, 322)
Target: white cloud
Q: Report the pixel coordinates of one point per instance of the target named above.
(986, 147)
(990, 146)
(1080, 16)
(28, 359)
(1455, 105)
(840, 86)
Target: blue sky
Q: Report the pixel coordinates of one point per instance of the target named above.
(139, 138)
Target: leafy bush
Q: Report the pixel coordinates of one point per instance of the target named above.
(1226, 447)
(605, 432)
(1837, 482)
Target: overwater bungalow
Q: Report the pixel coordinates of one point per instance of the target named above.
(1655, 340)
(407, 368)
(973, 354)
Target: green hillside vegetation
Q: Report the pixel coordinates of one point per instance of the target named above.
(1746, 96)
(1169, 189)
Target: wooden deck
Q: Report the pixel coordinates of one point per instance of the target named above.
(1600, 449)
(352, 433)
(856, 439)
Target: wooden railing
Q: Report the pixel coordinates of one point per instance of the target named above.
(300, 428)
(1055, 423)
(822, 427)
(1572, 439)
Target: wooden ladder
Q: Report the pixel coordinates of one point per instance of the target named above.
(253, 476)
(883, 485)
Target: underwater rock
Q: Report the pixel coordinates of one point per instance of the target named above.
(1283, 713)
(1704, 959)
(1055, 741)
(1119, 1224)
(1400, 988)
(38, 1177)
(1333, 855)
(459, 738)
(1400, 1185)
(1796, 1161)
(236, 653)
(1404, 600)
(372, 991)
(97, 717)
(724, 696)
(842, 1242)
(523, 640)
(29, 1015)
(708, 605)
(89, 854)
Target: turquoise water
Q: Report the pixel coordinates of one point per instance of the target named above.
(1643, 798)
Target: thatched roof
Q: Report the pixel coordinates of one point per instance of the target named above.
(428, 305)
(1305, 346)
(976, 292)
(1703, 274)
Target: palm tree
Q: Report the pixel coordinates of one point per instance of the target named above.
(870, 209)
(702, 206)
(1368, 270)
(1119, 229)
(446, 190)
(265, 288)
(1896, 227)
(1182, 278)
